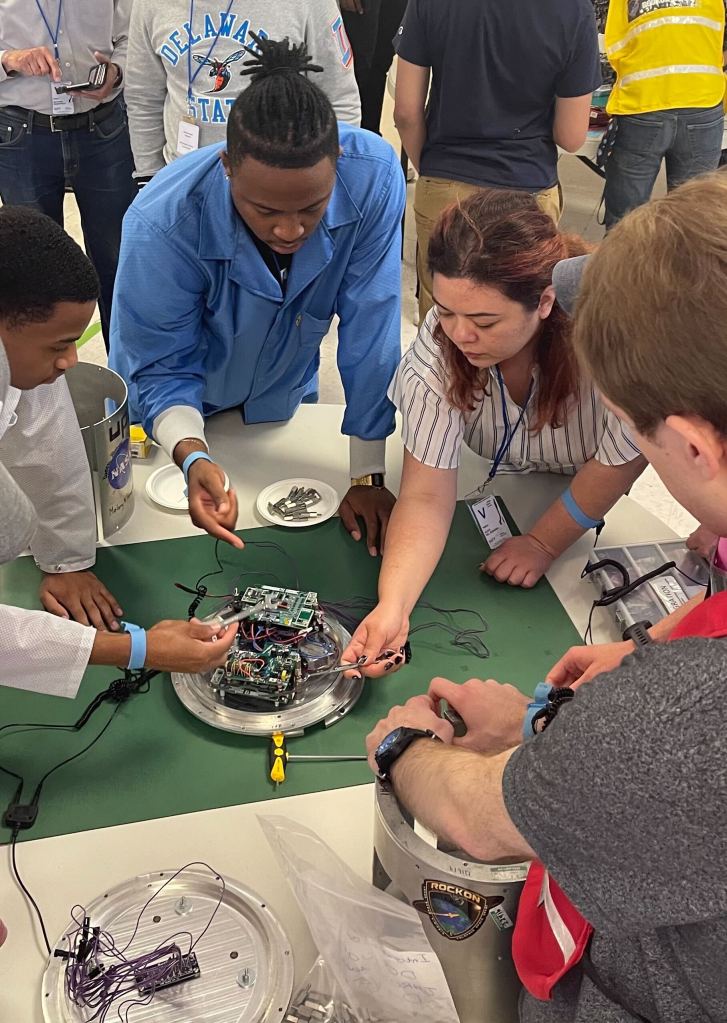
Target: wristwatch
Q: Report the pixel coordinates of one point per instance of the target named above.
(374, 479)
(395, 744)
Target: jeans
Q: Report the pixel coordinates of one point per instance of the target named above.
(689, 140)
(37, 164)
(371, 35)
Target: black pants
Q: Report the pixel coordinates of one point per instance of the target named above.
(371, 35)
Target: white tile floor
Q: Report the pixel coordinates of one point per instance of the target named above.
(582, 189)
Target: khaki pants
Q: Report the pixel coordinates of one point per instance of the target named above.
(430, 198)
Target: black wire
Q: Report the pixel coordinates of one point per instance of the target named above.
(29, 897)
(75, 756)
(588, 634)
(691, 580)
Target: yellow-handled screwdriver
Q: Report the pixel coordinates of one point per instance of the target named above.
(279, 757)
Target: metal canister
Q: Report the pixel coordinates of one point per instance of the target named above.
(468, 910)
(100, 398)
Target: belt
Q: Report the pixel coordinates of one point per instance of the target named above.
(66, 122)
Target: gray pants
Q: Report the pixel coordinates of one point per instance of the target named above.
(690, 141)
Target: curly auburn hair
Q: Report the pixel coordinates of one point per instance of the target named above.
(505, 241)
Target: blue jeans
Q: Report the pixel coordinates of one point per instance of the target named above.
(36, 165)
(689, 140)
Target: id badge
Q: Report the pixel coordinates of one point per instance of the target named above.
(61, 102)
(187, 136)
(490, 520)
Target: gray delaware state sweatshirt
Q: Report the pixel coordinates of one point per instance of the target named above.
(173, 41)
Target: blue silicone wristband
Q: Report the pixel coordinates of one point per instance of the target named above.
(137, 657)
(190, 460)
(540, 699)
(576, 512)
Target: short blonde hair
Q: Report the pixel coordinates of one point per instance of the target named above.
(651, 320)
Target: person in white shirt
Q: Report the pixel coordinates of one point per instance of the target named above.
(184, 63)
(492, 367)
(48, 291)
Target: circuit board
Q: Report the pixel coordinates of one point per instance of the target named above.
(290, 608)
(170, 972)
(279, 643)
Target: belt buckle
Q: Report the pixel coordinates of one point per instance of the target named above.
(53, 128)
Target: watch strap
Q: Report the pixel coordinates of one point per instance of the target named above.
(372, 479)
(408, 736)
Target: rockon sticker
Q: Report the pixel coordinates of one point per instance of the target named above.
(456, 912)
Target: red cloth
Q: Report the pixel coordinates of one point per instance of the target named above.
(550, 934)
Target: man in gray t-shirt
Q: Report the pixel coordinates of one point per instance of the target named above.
(623, 798)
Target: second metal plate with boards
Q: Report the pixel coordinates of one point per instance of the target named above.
(245, 959)
(326, 699)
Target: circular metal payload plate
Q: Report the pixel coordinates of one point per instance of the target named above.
(325, 698)
(245, 960)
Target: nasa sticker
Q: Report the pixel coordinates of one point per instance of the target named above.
(118, 470)
(456, 912)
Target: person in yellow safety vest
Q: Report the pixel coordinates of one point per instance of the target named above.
(667, 100)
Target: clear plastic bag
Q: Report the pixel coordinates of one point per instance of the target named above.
(376, 964)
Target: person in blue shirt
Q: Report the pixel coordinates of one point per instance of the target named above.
(233, 264)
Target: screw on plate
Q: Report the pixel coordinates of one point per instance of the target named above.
(183, 906)
(246, 978)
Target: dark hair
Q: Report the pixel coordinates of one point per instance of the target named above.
(504, 240)
(40, 265)
(282, 119)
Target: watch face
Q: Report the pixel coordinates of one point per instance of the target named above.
(389, 742)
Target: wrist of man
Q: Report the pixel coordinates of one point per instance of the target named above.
(186, 447)
(111, 648)
(6, 57)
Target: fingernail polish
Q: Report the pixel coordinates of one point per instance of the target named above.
(388, 666)
(398, 660)
(357, 678)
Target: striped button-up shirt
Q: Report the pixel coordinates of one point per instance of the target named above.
(434, 430)
(85, 27)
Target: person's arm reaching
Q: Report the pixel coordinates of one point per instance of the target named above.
(582, 663)
(469, 809)
(369, 335)
(145, 92)
(45, 654)
(412, 86)
(522, 560)
(416, 536)
(45, 455)
(329, 47)
(157, 346)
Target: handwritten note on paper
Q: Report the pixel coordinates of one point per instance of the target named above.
(395, 985)
(373, 945)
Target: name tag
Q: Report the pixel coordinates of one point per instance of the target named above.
(490, 521)
(187, 136)
(61, 103)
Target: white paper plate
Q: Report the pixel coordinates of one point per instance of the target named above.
(326, 507)
(166, 487)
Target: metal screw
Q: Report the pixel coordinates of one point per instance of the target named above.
(246, 978)
(183, 906)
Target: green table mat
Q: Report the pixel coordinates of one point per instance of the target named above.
(157, 760)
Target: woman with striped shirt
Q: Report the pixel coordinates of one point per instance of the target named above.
(492, 367)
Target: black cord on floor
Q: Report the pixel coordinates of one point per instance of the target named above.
(27, 894)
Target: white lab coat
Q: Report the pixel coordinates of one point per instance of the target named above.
(46, 502)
